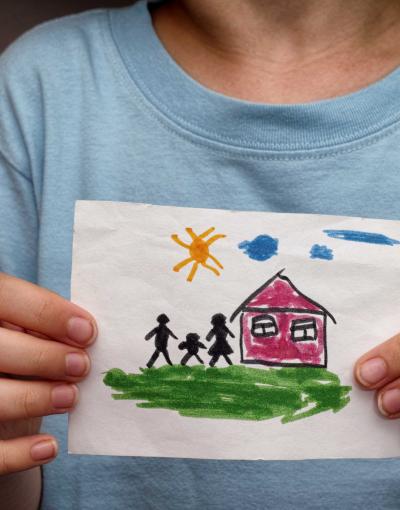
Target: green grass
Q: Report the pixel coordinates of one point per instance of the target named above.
(235, 392)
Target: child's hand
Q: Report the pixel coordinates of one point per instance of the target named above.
(379, 369)
(42, 340)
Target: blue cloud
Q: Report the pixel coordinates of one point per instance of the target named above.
(319, 251)
(262, 248)
(361, 237)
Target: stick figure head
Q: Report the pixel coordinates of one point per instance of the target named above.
(218, 319)
(162, 319)
(192, 337)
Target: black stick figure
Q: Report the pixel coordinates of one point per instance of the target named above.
(162, 333)
(220, 347)
(192, 345)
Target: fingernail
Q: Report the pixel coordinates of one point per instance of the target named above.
(80, 330)
(372, 371)
(389, 402)
(44, 450)
(76, 364)
(64, 396)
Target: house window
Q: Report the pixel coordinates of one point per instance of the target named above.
(303, 330)
(263, 325)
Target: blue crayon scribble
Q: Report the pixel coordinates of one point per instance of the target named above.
(262, 248)
(319, 251)
(361, 237)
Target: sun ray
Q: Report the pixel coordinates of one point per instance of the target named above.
(192, 271)
(191, 233)
(216, 261)
(214, 238)
(199, 252)
(215, 271)
(178, 241)
(182, 264)
(206, 233)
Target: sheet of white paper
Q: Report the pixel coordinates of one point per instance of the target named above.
(123, 259)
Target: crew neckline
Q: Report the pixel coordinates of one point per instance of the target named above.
(324, 124)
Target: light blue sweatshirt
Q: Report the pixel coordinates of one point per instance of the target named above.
(93, 107)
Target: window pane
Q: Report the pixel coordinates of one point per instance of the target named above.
(264, 326)
(303, 330)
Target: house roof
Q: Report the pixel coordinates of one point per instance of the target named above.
(279, 293)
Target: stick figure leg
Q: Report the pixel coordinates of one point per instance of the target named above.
(214, 359)
(166, 356)
(198, 357)
(152, 360)
(228, 359)
(185, 358)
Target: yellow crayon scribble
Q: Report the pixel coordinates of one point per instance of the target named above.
(199, 252)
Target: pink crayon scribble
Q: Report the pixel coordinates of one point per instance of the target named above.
(281, 326)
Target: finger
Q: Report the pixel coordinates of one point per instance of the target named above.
(26, 452)
(35, 308)
(380, 365)
(13, 327)
(8, 325)
(24, 355)
(13, 429)
(388, 400)
(30, 399)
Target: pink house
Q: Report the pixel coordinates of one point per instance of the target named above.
(281, 326)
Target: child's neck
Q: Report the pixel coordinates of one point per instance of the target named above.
(282, 51)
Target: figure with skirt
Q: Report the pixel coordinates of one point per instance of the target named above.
(220, 347)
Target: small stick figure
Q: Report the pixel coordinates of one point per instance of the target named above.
(162, 334)
(220, 347)
(192, 345)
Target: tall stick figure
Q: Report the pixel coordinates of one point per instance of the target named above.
(220, 347)
(162, 334)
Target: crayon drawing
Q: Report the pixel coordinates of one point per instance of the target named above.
(361, 237)
(320, 251)
(234, 392)
(161, 334)
(262, 248)
(281, 326)
(199, 250)
(192, 346)
(278, 326)
(221, 346)
(232, 334)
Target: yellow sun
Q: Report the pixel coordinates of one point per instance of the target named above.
(199, 252)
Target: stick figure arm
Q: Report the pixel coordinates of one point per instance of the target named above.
(229, 332)
(172, 334)
(151, 334)
(202, 346)
(210, 335)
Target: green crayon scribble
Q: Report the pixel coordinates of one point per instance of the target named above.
(235, 392)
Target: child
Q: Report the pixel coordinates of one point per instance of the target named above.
(192, 345)
(278, 105)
